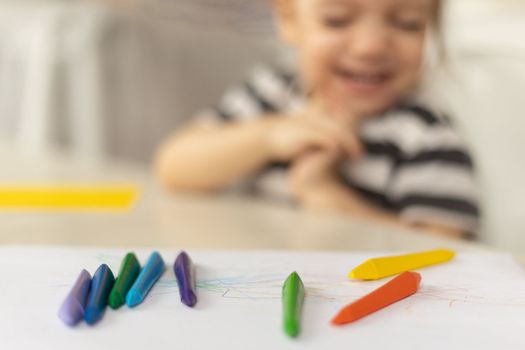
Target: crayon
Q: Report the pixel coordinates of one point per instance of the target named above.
(148, 276)
(101, 285)
(129, 270)
(74, 306)
(377, 268)
(398, 288)
(185, 274)
(293, 300)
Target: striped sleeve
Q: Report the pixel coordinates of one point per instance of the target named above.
(269, 89)
(433, 180)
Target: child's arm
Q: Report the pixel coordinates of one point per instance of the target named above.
(344, 200)
(208, 158)
(317, 187)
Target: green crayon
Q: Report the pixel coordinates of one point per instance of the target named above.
(293, 299)
(129, 270)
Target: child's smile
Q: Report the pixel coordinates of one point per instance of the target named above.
(363, 82)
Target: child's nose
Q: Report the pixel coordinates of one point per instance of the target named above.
(369, 41)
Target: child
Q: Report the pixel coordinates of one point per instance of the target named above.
(345, 132)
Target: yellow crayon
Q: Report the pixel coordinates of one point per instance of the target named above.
(67, 197)
(377, 268)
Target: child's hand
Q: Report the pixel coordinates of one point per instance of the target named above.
(325, 124)
(290, 137)
(313, 170)
(316, 185)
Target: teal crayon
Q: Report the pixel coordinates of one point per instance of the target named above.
(129, 270)
(148, 276)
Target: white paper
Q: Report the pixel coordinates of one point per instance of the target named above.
(473, 302)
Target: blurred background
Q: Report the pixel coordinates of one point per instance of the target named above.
(111, 79)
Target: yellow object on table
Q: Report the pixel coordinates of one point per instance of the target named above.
(77, 197)
(377, 268)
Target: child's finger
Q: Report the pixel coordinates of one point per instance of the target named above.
(352, 144)
(317, 139)
(345, 137)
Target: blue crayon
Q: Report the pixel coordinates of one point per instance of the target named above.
(72, 310)
(184, 272)
(101, 285)
(149, 274)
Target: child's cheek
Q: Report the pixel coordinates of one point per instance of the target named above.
(410, 62)
(317, 59)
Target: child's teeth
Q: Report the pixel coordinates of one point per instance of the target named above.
(364, 78)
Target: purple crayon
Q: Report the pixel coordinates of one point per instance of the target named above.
(184, 272)
(72, 309)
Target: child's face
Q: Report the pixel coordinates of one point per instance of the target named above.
(367, 53)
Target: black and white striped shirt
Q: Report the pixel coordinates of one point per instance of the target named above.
(414, 163)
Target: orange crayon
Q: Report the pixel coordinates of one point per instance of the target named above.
(398, 288)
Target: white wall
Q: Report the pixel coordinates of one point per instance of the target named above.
(486, 89)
